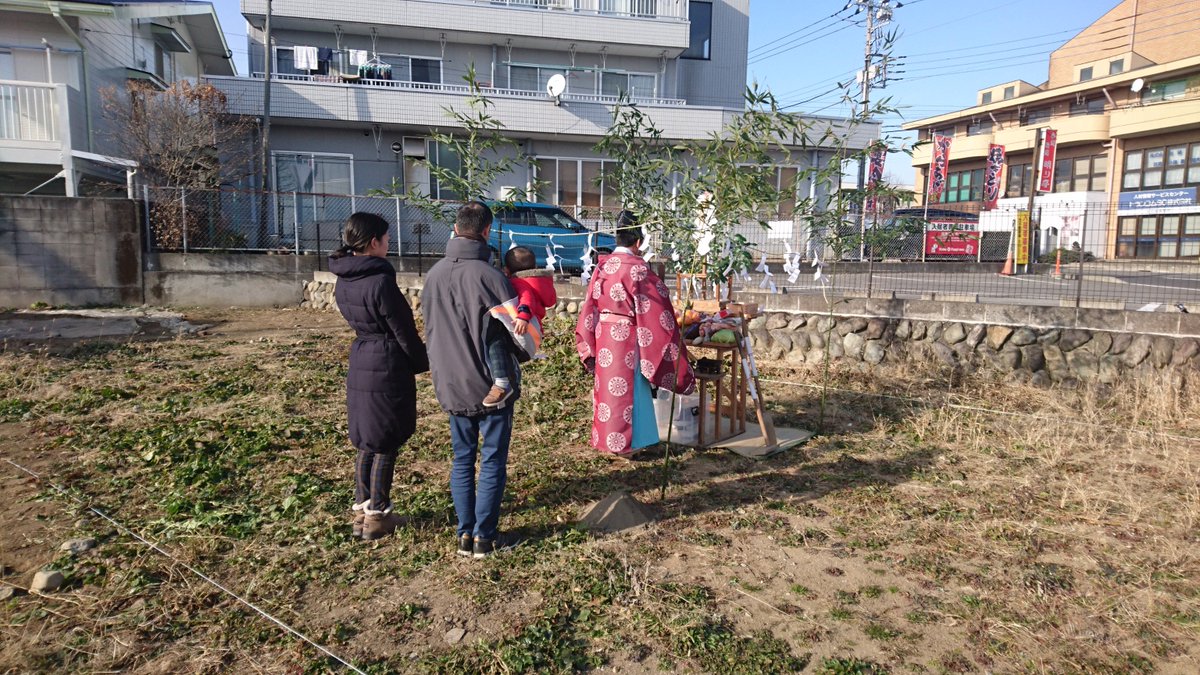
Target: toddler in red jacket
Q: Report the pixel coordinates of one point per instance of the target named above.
(535, 292)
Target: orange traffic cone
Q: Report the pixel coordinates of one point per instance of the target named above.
(1058, 264)
(1008, 265)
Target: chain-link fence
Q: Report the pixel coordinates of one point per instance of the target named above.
(189, 220)
(1074, 254)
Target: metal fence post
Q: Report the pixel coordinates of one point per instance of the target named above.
(183, 216)
(420, 250)
(399, 230)
(274, 220)
(296, 222)
(150, 244)
(1082, 249)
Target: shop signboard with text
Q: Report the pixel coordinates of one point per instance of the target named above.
(1152, 202)
(1022, 238)
(948, 238)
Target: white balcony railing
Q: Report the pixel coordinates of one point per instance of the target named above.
(640, 9)
(333, 80)
(28, 111)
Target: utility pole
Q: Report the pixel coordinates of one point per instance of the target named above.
(879, 14)
(268, 55)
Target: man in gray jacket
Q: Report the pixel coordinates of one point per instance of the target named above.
(459, 292)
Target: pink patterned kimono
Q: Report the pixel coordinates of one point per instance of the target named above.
(627, 326)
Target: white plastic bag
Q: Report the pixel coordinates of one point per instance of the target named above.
(685, 422)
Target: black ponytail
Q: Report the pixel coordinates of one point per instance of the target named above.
(361, 229)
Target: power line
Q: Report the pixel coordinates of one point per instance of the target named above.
(804, 28)
(800, 42)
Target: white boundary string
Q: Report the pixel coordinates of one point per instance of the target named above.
(191, 569)
(990, 411)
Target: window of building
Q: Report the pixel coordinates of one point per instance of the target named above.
(634, 85)
(700, 38)
(426, 70)
(413, 68)
(1020, 178)
(944, 131)
(1164, 91)
(1009, 92)
(534, 78)
(443, 157)
(8, 66)
(569, 182)
(963, 186)
(1169, 166)
(1085, 74)
(285, 64)
(979, 128)
(1081, 174)
(986, 98)
(1093, 106)
(313, 177)
(1036, 116)
(1166, 236)
(785, 181)
(164, 63)
(1116, 67)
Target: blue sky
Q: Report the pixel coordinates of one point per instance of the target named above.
(953, 48)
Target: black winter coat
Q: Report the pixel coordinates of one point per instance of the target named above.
(381, 389)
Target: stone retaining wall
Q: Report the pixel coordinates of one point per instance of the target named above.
(1039, 355)
(1039, 345)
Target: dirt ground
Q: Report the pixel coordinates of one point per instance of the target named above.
(979, 527)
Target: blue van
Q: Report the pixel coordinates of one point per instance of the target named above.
(530, 225)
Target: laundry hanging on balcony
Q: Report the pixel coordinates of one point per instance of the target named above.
(304, 58)
(357, 57)
(375, 69)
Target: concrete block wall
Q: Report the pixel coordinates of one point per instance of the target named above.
(65, 251)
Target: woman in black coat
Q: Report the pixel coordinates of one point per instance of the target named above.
(387, 354)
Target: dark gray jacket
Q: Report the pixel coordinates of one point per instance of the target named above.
(459, 291)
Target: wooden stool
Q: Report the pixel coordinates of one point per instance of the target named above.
(728, 415)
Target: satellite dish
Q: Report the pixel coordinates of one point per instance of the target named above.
(1138, 84)
(556, 86)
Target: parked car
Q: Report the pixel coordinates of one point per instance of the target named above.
(531, 225)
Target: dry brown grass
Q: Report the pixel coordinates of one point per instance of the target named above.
(984, 526)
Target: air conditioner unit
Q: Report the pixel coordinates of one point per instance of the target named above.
(560, 4)
(414, 146)
(510, 193)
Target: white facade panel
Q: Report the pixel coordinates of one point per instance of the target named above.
(461, 19)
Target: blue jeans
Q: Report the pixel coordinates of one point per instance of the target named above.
(477, 503)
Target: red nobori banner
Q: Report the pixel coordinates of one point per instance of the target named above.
(939, 166)
(991, 177)
(875, 176)
(1046, 174)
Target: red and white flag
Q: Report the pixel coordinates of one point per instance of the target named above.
(992, 176)
(1049, 149)
(939, 167)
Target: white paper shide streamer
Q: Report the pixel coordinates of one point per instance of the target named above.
(766, 272)
(791, 263)
(552, 257)
(586, 259)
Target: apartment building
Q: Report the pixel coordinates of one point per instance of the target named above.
(358, 86)
(1124, 98)
(56, 58)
